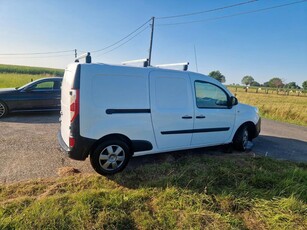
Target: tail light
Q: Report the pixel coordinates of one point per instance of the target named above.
(74, 111)
(74, 104)
(71, 142)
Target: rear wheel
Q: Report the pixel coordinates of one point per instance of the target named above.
(110, 157)
(241, 139)
(3, 109)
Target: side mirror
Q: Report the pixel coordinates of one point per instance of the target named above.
(28, 89)
(234, 101)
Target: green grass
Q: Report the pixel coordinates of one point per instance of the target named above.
(290, 109)
(192, 192)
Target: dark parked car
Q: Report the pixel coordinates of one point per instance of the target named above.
(40, 95)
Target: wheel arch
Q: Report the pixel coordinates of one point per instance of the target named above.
(113, 136)
(251, 127)
(6, 106)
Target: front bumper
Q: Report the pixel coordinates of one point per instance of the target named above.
(258, 127)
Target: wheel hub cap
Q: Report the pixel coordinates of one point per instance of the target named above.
(112, 157)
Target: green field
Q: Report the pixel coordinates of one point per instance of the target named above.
(190, 192)
(14, 76)
(291, 109)
(30, 70)
(12, 80)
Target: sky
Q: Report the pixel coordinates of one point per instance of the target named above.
(266, 44)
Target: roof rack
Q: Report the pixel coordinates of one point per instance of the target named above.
(145, 62)
(183, 64)
(87, 56)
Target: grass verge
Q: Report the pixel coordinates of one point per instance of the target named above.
(192, 192)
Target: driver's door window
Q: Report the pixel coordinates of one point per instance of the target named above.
(210, 96)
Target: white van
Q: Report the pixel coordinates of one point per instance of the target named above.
(112, 113)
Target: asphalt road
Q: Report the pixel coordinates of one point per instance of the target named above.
(29, 147)
(282, 141)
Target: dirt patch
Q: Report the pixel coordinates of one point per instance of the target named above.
(68, 171)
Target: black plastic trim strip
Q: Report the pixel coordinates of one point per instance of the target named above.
(141, 145)
(114, 111)
(195, 131)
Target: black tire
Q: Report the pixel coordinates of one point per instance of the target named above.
(3, 109)
(240, 140)
(110, 157)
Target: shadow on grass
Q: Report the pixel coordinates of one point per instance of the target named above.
(209, 171)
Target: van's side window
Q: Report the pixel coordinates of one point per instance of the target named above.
(209, 96)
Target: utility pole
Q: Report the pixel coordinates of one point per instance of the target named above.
(76, 53)
(151, 39)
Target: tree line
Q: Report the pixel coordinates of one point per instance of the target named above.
(274, 82)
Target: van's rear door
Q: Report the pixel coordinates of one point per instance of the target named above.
(171, 108)
(66, 91)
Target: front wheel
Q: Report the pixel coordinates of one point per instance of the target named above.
(110, 157)
(241, 139)
(3, 109)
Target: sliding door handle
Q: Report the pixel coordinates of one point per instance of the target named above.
(200, 117)
(186, 117)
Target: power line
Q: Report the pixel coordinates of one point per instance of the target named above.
(207, 11)
(52, 56)
(95, 51)
(26, 54)
(124, 42)
(232, 15)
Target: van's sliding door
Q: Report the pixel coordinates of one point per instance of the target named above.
(171, 109)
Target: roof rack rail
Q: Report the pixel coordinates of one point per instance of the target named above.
(144, 60)
(87, 56)
(183, 64)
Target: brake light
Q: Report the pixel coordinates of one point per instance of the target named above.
(71, 142)
(74, 104)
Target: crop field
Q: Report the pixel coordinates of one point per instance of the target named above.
(30, 70)
(291, 109)
(12, 80)
(195, 192)
(14, 76)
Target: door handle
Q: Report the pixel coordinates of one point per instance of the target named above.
(200, 117)
(186, 117)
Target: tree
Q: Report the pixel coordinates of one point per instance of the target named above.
(247, 80)
(304, 85)
(266, 84)
(254, 83)
(276, 82)
(218, 76)
(292, 85)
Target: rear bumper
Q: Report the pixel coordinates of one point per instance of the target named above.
(80, 151)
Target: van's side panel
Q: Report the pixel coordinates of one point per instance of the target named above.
(115, 100)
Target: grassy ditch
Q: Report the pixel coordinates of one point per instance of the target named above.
(291, 109)
(190, 192)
